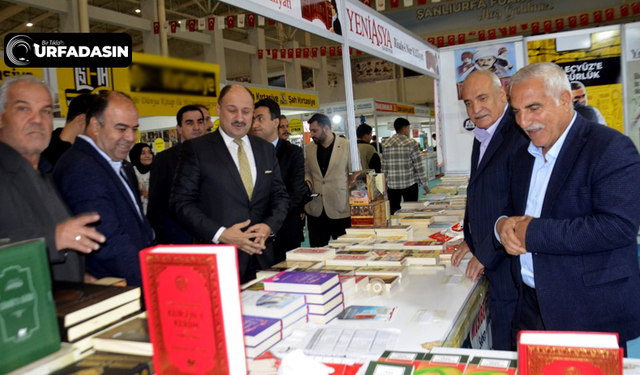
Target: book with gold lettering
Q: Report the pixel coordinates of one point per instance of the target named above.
(549, 352)
(194, 312)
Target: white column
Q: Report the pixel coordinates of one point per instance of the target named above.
(258, 66)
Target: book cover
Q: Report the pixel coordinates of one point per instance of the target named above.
(493, 366)
(109, 364)
(424, 245)
(379, 313)
(320, 299)
(92, 325)
(301, 282)
(549, 352)
(257, 329)
(128, 338)
(270, 304)
(310, 253)
(350, 260)
(388, 368)
(192, 296)
(28, 326)
(409, 358)
(443, 364)
(76, 302)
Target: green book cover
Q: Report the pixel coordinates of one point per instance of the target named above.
(28, 325)
(384, 368)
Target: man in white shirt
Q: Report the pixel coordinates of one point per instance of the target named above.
(93, 176)
(573, 214)
(228, 188)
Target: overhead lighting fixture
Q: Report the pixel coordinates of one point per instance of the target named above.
(336, 119)
(138, 10)
(29, 24)
(179, 21)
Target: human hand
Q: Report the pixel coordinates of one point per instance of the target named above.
(309, 184)
(475, 269)
(243, 240)
(521, 230)
(88, 279)
(75, 234)
(262, 232)
(459, 253)
(426, 190)
(506, 228)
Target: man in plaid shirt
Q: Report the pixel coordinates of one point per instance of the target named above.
(403, 166)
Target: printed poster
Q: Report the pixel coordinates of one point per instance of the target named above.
(632, 41)
(497, 58)
(597, 68)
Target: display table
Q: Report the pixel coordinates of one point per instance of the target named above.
(435, 309)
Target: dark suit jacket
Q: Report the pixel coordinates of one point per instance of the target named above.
(291, 162)
(208, 192)
(163, 169)
(25, 214)
(488, 193)
(89, 184)
(584, 245)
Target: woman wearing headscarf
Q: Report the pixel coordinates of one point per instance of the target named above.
(141, 157)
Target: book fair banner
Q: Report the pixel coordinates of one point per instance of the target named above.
(632, 53)
(159, 86)
(286, 99)
(597, 68)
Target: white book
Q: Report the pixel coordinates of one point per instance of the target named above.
(325, 308)
(270, 305)
(326, 318)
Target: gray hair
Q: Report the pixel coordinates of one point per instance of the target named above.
(8, 82)
(554, 79)
(492, 76)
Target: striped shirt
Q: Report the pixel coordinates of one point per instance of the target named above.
(402, 163)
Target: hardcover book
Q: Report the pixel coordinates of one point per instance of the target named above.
(493, 366)
(311, 253)
(192, 296)
(109, 364)
(128, 338)
(76, 302)
(408, 358)
(270, 305)
(443, 364)
(28, 327)
(354, 260)
(325, 308)
(424, 245)
(326, 318)
(301, 282)
(255, 351)
(80, 330)
(321, 299)
(548, 352)
(388, 368)
(257, 329)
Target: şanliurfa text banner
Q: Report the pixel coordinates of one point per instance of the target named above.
(597, 68)
(159, 86)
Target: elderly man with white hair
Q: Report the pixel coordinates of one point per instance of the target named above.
(573, 214)
(486, 58)
(30, 205)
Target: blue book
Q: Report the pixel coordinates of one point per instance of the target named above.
(301, 282)
(257, 329)
(270, 305)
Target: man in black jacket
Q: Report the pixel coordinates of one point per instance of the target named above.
(266, 119)
(190, 125)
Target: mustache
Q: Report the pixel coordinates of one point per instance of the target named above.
(533, 127)
(234, 123)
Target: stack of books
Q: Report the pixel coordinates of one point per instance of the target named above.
(84, 309)
(314, 286)
(311, 254)
(288, 265)
(269, 317)
(131, 337)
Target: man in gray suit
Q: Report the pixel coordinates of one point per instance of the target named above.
(31, 205)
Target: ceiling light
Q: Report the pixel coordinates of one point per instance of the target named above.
(336, 119)
(29, 24)
(138, 11)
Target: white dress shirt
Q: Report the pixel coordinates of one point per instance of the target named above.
(484, 135)
(233, 150)
(116, 165)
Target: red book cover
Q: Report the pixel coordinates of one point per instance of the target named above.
(195, 322)
(587, 353)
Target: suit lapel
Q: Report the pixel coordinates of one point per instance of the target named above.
(336, 154)
(521, 192)
(566, 159)
(88, 149)
(475, 155)
(261, 163)
(224, 158)
(495, 143)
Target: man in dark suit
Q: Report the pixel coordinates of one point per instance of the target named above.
(573, 215)
(93, 176)
(497, 138)
(266, 119)
(190, 125)
(228, 188)
(30, 206)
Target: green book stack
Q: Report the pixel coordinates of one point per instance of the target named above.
(28, 325)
